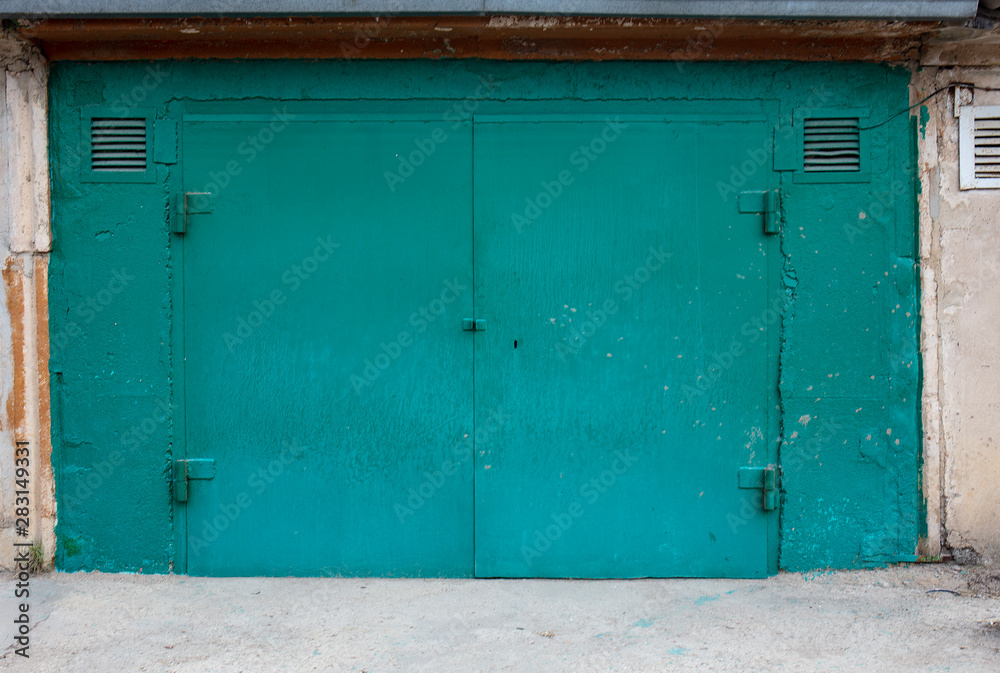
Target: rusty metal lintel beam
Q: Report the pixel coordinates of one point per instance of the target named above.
(502, 38)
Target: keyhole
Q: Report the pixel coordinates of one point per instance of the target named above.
(515, 343)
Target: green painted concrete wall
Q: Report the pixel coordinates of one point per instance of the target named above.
(849, 368)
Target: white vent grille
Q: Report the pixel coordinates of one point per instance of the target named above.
(118, 145)
(987, 143)
(979, 147)
(831, 145)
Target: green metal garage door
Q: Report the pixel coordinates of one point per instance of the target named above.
(530, 346)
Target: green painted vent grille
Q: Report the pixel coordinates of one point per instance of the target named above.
(118, 144)
(831, 145)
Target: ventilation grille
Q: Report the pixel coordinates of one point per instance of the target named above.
(831, 145)
(987, 144)
(118, 145)
(979, 146)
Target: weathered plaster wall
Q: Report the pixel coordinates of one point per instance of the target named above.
(850, 442)
(960, 261)
(24, 243)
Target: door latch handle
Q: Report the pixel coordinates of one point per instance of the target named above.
(470, 325)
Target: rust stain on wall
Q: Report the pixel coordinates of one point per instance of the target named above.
(18, 278)
(43, 452)
(16, 411)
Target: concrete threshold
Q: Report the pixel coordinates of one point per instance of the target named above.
(912, 618)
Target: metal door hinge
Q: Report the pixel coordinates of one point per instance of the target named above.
(190, 203)
(763, 479)
(766, 202)
(191, 468)
(470, 325)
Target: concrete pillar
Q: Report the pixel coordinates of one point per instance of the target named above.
(25, 242)
(960, 267)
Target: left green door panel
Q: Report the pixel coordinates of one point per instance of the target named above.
(325, 370)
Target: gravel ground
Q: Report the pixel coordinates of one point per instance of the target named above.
(870, 621)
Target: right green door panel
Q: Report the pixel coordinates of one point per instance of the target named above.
(625, 348)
